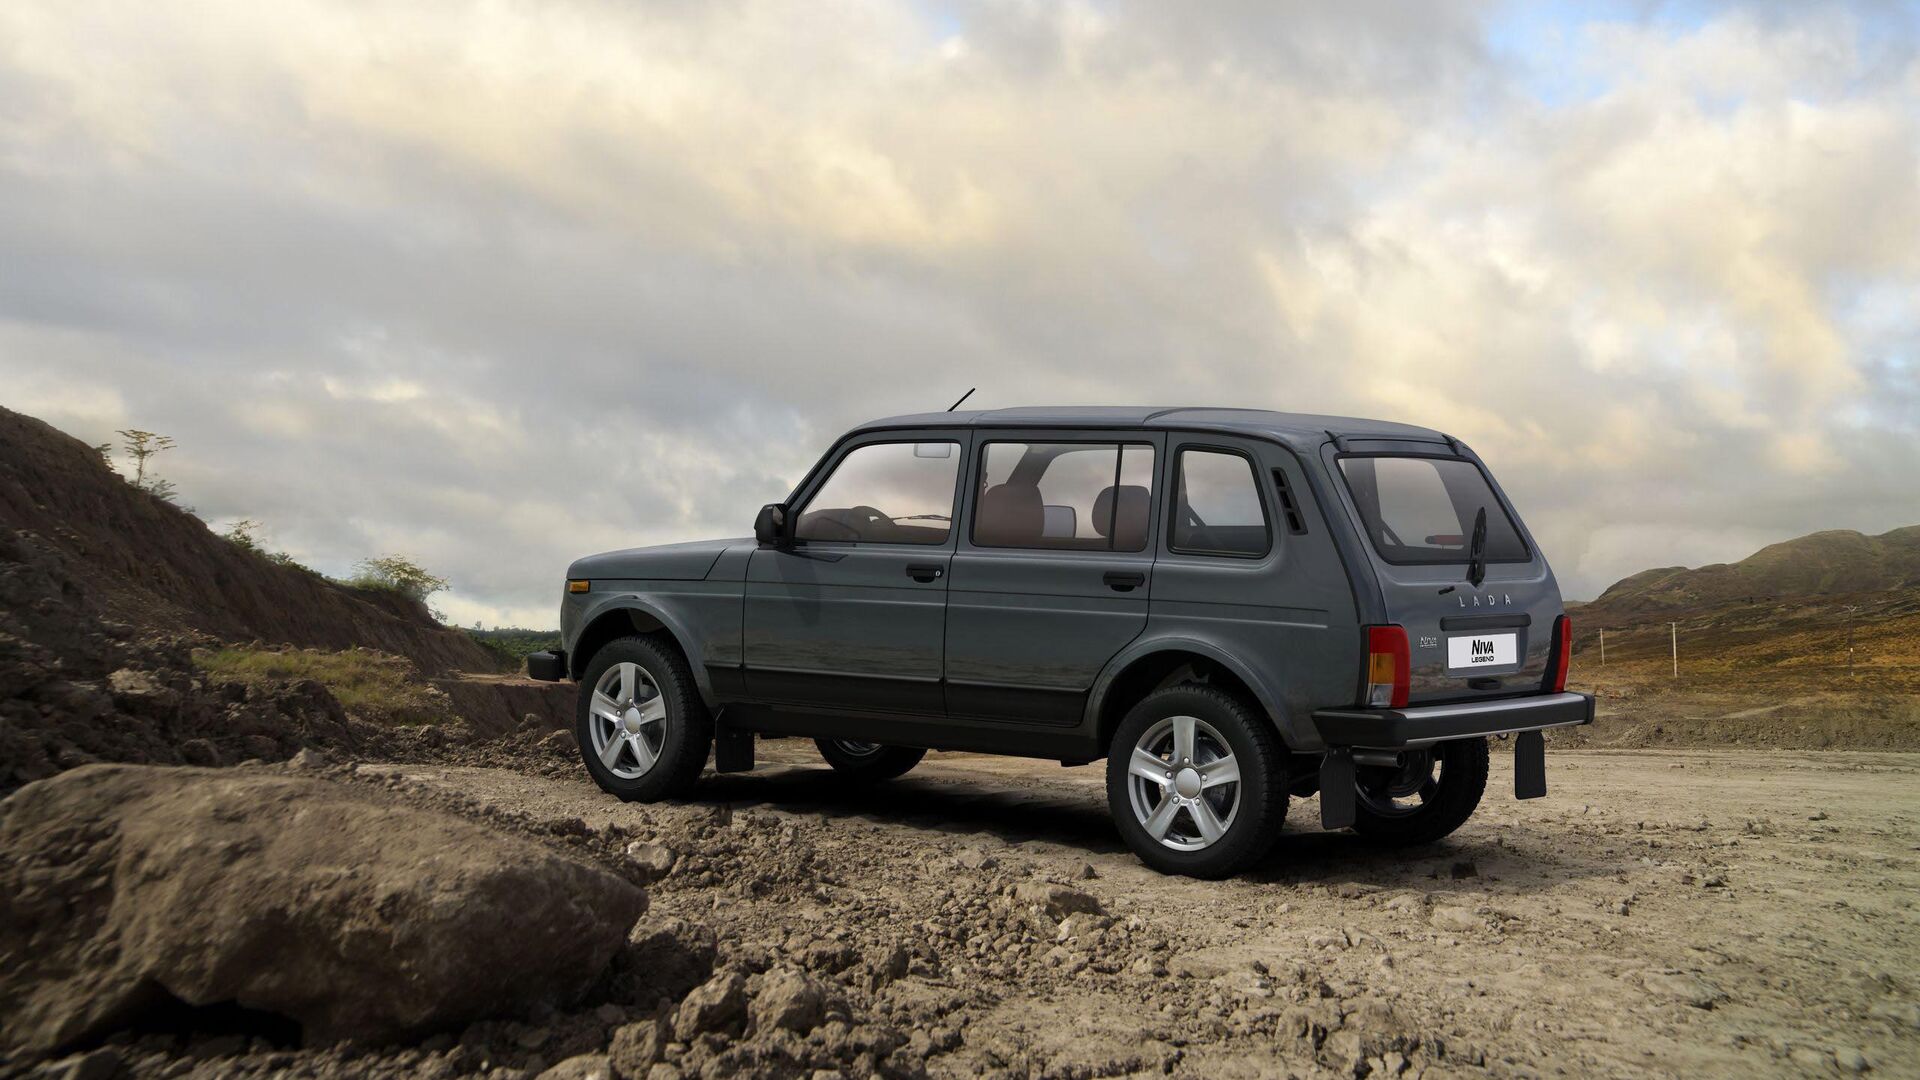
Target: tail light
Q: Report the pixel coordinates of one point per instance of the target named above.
(1387, 667)
(1562, 654)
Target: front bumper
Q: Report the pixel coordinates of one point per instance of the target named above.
(1424, 725)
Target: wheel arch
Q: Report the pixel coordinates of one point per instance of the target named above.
(628, 615)
(1146, 666)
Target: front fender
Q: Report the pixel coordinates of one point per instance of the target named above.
(647, 615)
(1296, 732)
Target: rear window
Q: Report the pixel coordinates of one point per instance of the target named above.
(1421, 510)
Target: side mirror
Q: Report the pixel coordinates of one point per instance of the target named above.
(770, 527)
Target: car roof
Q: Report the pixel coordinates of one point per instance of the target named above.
(1302, 430)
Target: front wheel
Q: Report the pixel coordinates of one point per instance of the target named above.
(865, 762)
(643, 731)
(1427, 796)
(1196, 782)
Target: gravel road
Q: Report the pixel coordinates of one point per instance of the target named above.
(1661, 912)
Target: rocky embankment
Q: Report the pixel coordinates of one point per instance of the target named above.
(151, 565)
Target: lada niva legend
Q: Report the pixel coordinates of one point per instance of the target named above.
(1231, 607)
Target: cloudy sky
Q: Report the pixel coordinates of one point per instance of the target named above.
(497, 284)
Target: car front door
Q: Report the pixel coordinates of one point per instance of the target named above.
(853, 613)
(1053, 573)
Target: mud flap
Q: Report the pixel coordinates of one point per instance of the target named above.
(732, 750)
(1529, 765)
(1337, 797)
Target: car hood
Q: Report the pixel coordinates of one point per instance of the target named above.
(662, 562)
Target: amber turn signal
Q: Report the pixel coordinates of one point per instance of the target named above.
(577, 585)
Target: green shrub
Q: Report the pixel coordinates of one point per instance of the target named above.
(396, 573)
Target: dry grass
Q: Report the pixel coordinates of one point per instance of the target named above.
(371, 685)
(1786, 647)
(1772, 673)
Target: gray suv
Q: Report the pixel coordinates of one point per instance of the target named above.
(1231, 607)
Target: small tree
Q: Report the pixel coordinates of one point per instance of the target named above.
(243, 534)
(141, 445)
(397, 573)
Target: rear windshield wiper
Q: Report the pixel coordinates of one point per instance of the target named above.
(1477, 551)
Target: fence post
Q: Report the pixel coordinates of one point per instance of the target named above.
(1603, 646)
(1673, 628)
(1850, 609)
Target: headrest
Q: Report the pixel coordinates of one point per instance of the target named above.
(1010, 515)
(1129, 524)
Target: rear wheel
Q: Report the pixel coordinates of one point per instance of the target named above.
(643, 731)
(867, 762)
(1429, 795)
(1196, 782)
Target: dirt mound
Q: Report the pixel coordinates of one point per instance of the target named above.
(150, 564)
(124, 889)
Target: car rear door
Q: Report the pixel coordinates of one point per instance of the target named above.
(1052, 573)
(1248, 566)
(1415, 505)
(853, 614)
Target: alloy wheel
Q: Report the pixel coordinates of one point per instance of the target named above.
(629, 720)
(1184, 783)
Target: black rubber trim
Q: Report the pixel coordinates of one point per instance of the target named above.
(1391, 729)
(547, 666)
(732, 750)
(1529, 765)
(1484, 622)
(1339, 802)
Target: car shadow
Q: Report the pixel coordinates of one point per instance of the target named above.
(1009, 813)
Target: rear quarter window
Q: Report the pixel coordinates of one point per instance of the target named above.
(1421, 510)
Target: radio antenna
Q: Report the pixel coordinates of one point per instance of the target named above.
(963, 397)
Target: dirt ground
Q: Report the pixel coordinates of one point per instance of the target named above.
(1661, 913)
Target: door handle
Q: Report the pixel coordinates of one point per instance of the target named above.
(1124, 580)
(925, 572)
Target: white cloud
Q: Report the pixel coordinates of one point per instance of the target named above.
(498, 284)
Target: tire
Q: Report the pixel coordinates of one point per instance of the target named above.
(1246, 815)
(865, 762)
(677, 737)
(1455, 795)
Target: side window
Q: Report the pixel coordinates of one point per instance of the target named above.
(1216, 507)
(1065, 496)
(890, 493)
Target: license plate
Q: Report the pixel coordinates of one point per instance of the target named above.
(1482, 650)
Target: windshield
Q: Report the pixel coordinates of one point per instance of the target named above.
(1421, 510)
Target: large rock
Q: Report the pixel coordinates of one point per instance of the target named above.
(326, 902)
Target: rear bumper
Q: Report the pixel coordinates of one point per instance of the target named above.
(547, 666)
(1411, 728)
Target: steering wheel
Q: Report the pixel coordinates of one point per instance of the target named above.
(856, 522)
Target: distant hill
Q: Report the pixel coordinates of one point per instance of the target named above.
(1823, 564)
(142, 561)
